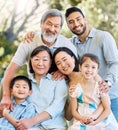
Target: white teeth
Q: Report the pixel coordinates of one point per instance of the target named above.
(65, 69)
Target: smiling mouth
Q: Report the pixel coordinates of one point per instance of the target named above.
(65, 69)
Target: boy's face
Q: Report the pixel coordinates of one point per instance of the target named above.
(20, 90)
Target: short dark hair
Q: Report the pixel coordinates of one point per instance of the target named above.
(35, 52)
(21, 77)
(69, 52)
(91, 56)
(73, 9)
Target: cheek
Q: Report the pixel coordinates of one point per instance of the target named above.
(33, 65)
(59, 67)
(70, 26)
(47, 65)
(72, 63)
(58, 31)
(43, 28)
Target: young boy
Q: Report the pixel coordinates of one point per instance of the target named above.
(21, 89)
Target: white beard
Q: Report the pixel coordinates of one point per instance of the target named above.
(48, 38)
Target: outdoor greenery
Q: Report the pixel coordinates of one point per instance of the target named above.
(21, 16)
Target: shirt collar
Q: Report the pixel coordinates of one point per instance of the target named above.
(48, 76)
(23, 103)
(91, 35)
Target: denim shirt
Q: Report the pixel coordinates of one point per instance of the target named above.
(50, 96)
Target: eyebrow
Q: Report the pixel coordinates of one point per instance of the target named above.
(58, 24)
(74, 18)
(61, 59)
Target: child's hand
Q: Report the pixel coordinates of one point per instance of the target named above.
(75, 91)
(93, 119)
(86, 119)
(93, 123)
(72, 90)
(5, 111)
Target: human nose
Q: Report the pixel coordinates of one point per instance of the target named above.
(76, 23)
(40, 62)
(20, 88)
(52, 28)
(62, 64)
(89, 69)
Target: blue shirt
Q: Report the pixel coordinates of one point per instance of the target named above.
(102, 44)
(20, 111)
(50, 96)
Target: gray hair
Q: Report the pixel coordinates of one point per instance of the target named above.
(52, 13)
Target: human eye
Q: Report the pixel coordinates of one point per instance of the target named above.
(94, 67)
(16, 86)
(57, 26)
(48, 24)
(64, 59)
(86, 65)
(71, 22)
(58, 63)
(45, 59)
(35, 59)
(25, 87)
(79, 18)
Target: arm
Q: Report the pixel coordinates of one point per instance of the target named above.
(68, 113)
(29, 122)
(84, 119)
(109, 44)
(55, 108)
(57, 75)
(11, 119)
(8, 76)
(98, 78)
(106, 108)
(98, 111)
(28, 38)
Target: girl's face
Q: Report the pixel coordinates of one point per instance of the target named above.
(64, 62)
(41, 63)
(89, 69)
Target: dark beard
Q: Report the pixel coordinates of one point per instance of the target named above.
(79, 34)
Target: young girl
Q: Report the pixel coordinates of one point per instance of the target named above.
(86, 100)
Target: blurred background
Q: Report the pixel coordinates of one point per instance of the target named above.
(17, 17)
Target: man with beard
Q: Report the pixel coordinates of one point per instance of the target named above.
(100, 43)
(51, 24)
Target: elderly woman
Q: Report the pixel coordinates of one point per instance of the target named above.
(49, 96)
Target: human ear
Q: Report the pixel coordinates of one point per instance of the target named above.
(30, 92)
(80, 68)
(11, 91)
